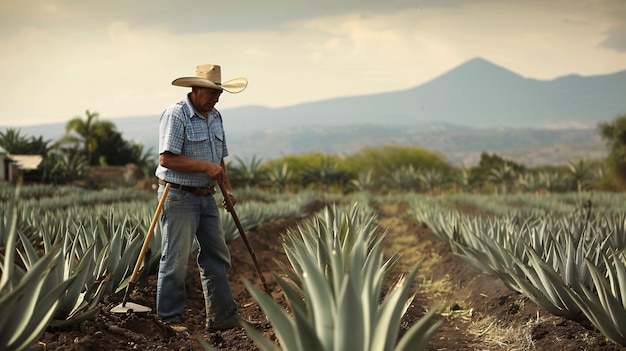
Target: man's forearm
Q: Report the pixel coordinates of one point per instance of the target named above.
(180, 163)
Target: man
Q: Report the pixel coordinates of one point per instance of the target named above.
(192, 147)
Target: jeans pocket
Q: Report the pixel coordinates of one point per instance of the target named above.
(177, 195)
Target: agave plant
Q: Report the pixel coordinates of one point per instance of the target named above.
(118, 245)
(335, 290)
(26, 306)
(606, 307)
(537, 256)
(546, 287)
(80, 299)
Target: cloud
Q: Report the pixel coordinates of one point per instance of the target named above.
(616, 26)
(616, 38)
(118, 57)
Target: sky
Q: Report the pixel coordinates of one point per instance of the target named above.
(60, 58)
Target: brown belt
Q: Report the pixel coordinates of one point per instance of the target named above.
(196, 190)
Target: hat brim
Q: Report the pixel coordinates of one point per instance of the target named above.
(232, 86)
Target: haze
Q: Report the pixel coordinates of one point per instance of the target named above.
(118, 58)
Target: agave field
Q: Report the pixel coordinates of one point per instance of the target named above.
(345, 272)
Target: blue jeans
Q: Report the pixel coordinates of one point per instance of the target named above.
(184, 217)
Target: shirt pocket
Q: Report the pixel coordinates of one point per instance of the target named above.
(219, 146)
(197, 143)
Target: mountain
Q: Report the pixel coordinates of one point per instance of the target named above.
(477, 100)
(478, 94)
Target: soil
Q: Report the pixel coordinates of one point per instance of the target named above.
(479, 312)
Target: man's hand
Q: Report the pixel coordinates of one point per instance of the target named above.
(215, 171)
(232, 199)
(185, 164)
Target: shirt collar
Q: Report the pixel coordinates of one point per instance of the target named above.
(195, 112)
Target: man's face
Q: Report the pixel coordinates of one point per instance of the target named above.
(204, 99)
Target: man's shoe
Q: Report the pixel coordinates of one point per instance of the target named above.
(176, 324)
(230, 323)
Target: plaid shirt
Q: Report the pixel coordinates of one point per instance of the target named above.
(184, 131)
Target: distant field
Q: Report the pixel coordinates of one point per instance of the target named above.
(538, 156)
(529, 147)
(459, 145)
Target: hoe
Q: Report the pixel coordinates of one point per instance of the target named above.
(129, 307)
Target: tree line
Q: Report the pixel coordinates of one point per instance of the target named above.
(89, 142)
(407, 168)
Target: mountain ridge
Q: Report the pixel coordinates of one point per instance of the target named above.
(475, 96)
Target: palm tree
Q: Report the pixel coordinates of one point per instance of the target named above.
(529, 182)
(552, 181)
(145, 161)
(39, 146)
(89, 130)
(13, 142)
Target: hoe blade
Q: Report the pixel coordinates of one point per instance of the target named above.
(130, 307)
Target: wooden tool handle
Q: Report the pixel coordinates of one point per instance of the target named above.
(146, 242)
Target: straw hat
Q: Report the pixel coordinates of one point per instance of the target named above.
(210, 76)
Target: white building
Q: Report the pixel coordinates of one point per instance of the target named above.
(11, 164)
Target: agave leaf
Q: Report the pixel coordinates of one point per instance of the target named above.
(305, 327)
(263, 343)
(8, 267)
(83, 278)
(278, 317)
(292, 256)
(349, 330)
(374, 275)
(568, 258)
(125, 259)
(21, 302)
(290, 273)
(609, 299)
(36, 307)
(29, 255)
(471, 256)
(593, 310)
(100, 268)
(603, 309)
(619, 262)
(317, 292)
(552, 285)
(530, 285)
(391, 311)
(418, 336)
